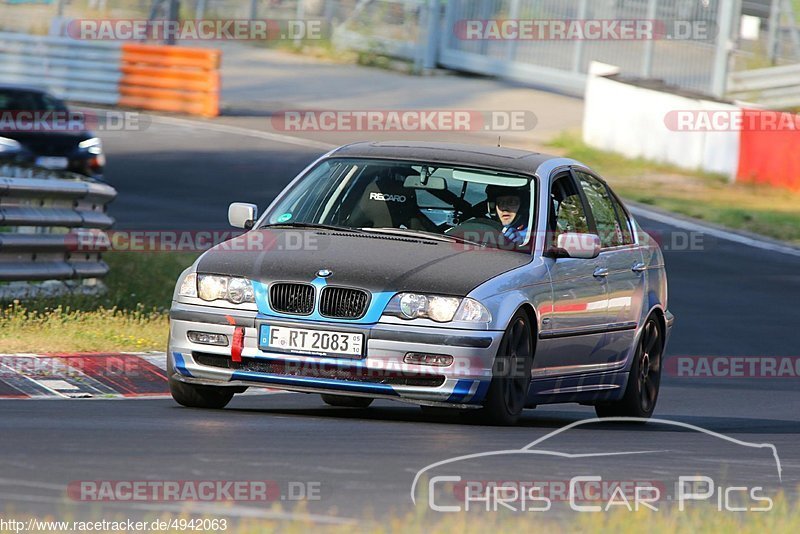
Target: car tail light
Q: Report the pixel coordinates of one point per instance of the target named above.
(97, 163)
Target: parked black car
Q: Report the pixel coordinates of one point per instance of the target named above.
(39, 129)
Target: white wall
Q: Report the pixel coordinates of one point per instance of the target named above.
(630, 120)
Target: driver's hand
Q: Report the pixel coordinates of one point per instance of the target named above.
(514, 235)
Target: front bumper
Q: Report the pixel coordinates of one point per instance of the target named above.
(380, 374)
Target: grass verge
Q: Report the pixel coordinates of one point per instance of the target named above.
(132, 316)
(764, 210)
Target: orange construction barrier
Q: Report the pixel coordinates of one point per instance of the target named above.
(769, 149)
(170, 78)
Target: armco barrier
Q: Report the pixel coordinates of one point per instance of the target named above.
(43, 217)
(84, 71)
(170, 78)
(776, 87)
(153, 77)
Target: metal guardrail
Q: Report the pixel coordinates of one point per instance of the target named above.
(45, 218)
(774, 87)
(155, 77)
(84, 71)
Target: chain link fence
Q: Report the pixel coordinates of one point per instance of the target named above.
(699, 41)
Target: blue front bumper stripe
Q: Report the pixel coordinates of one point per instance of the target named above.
(279, 380)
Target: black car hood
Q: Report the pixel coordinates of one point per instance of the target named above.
(373, 262)
(49, 143)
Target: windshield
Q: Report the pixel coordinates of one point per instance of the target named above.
(484, 207)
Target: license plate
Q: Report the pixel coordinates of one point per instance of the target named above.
(51, 162)
(313, 342)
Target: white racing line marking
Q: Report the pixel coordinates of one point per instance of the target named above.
(31, 484)
(53, 391)
(246, 132)
(715, 232)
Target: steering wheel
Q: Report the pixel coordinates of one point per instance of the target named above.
(481, 230)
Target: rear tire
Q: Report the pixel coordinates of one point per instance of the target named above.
(197, 396)
(343, 401)
(641, 393)
(511, 374)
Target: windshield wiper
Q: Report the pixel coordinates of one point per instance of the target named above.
(424, 235)
(419, 234)
(312, 226)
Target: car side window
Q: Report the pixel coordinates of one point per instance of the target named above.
(605, 214)
(624, 222)
(566, 209)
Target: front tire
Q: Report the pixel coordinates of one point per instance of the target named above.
(343, 401)
(644, 379)
(197, 396)
(511, 373)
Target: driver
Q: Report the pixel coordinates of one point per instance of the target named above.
(510, 206)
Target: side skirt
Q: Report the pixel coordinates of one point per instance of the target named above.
(586, 389)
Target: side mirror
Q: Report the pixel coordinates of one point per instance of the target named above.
(242, 215)
(581, 246)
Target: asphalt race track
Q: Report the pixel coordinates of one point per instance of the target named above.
(729, 300)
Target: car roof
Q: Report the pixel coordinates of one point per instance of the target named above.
(22, 89)
(498, 158)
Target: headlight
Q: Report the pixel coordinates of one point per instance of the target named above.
(413, 305)
(212, 287)
(232, 289)
(9, 145)
(240, 290)
(438, 308)
(92, 146)
(442, 309)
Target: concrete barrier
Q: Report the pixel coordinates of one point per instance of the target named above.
(636, 121)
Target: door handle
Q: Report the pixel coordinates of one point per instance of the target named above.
(600, 272)
(639, 267)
